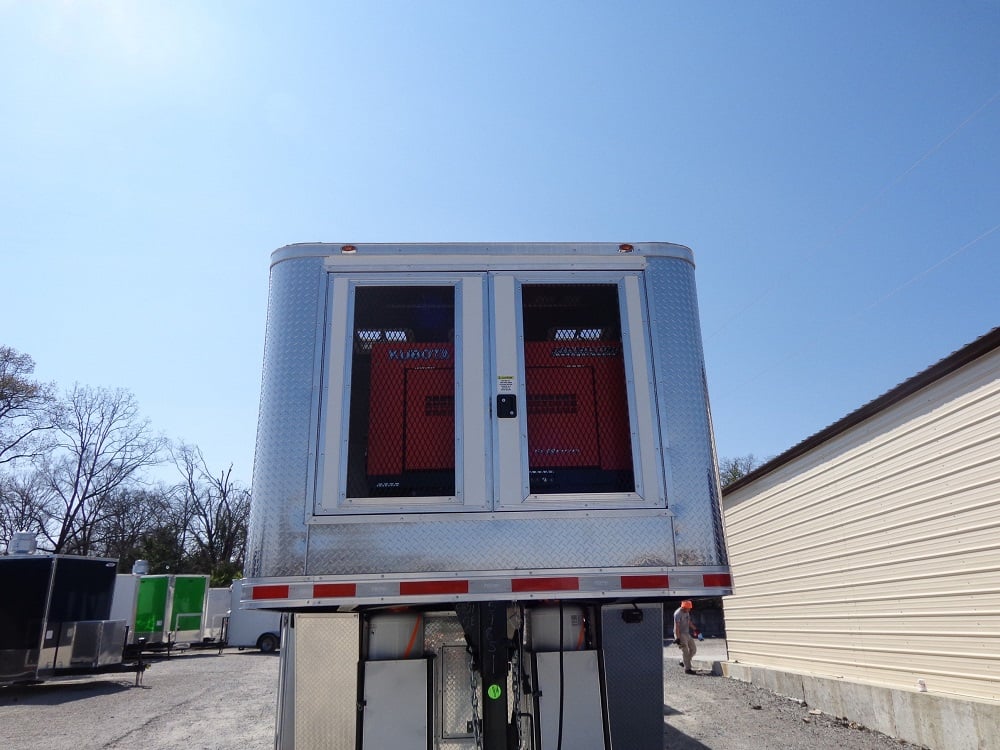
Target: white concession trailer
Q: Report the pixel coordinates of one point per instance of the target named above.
(480, 470)
(251, 628)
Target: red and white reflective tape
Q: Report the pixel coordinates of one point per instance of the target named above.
(311, 593)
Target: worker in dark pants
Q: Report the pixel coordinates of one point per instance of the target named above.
(683, 630)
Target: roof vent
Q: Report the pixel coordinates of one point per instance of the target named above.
(140, 568)
(22, 543)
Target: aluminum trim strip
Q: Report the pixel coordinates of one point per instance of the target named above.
(532, 252)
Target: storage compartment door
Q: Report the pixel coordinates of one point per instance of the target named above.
(396, 708)
(576, 696)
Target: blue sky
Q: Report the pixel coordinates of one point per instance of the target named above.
(834, 166)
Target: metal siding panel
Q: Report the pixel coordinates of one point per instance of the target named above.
(440, 544)
(508, 434)
(395, 705)
(285, 428)
(682, 405)
(445, 640)
(326, 684)
(284, 728)
(569, 696)
(876, 557)
(650, 481)
(633, 663)
(475, 477)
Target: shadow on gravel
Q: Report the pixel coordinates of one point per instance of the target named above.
(58, 693)
(677, 740)
(153, 656)
(213, 653)
(670, 710)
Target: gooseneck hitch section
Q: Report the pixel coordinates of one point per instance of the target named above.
(485, 627)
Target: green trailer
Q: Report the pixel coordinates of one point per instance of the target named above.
(163, 609)
(188, 606)
(151, 609)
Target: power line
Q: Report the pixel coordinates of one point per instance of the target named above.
(861, 311)
(840, 228)
(926, 271)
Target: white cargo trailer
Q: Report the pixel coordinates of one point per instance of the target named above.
(217, 614)
(251, 628)
(480, 470)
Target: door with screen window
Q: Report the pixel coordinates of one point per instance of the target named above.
(575, 430)
(487, 392)
(409, 434)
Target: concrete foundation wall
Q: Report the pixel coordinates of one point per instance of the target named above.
(935, 721)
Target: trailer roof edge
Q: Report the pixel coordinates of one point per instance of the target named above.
(569, 249)
(954, 361)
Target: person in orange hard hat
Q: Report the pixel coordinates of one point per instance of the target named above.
(683, 630)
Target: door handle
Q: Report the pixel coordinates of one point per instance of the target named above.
(506, 406)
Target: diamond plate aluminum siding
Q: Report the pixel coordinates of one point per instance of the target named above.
(326, 686)
(290, 381)
(685, 425)
(444, 638)
(633, 659)
(438, 544)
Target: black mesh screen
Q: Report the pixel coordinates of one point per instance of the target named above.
(402, 400)
(579, 439)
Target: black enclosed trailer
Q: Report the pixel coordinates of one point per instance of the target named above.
(54, 616)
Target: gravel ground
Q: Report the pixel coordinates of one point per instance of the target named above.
(707, 712)
(203, 700)
(192, 701)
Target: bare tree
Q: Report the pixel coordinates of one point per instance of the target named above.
(25, 417)
(731, 469)
(102, 444)
(190, 492)
(230, 518)
(130, 516)
(23, 505)
(217, 509)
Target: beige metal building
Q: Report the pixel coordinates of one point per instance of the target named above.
(866, 561)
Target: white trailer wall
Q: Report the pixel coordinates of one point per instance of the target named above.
(871, 553)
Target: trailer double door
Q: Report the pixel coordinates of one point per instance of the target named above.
(493, 391)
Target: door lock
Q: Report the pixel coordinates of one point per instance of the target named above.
(506, 406)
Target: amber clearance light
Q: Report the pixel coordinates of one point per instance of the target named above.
(625, 248)
(348, 249)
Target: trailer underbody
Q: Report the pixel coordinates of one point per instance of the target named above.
(497, 675)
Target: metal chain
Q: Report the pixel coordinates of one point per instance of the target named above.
(515, 668)
(474, 698)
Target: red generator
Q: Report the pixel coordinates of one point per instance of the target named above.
(411, 411)
(577, 415)
(577, 409)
